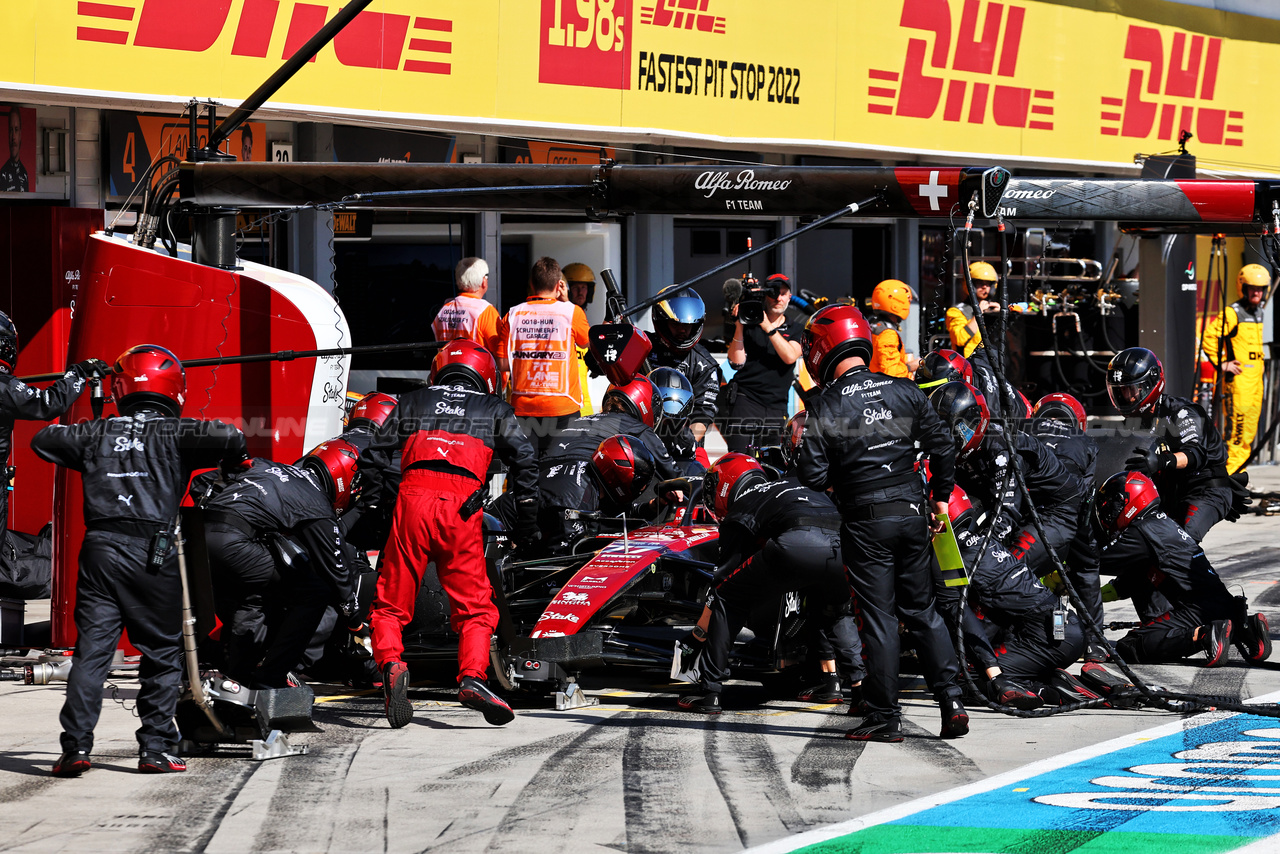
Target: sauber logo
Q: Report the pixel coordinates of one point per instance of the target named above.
(585, 43)
(371, 40)
(682, 14)
(978, 65)
(1181, 77)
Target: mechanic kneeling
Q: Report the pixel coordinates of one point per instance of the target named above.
(1158, 556)
(276, 555)
(775, 536)
(1024, 665)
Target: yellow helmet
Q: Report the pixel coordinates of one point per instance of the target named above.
(578, 272)
(894, 297)
(981, 271)
(1253, 276)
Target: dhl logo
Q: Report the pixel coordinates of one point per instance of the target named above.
(1190, 65)
(682, 15)
(371, 40)
(963, 51)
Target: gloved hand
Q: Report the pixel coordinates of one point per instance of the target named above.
(350, 611)
(1150, 462)
(1055, 583)
(526, 531)
(92, 369)
(232, 466)
(1109, 593)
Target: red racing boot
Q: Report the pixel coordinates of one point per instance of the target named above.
(476, 694)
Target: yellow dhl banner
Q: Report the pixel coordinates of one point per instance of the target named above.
(1021, 79)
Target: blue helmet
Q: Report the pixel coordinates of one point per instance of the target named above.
(678, 319)
(676, 393)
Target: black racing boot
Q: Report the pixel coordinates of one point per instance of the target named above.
(1119, 691)
(72, 763)
(1005, 691)
(1215, 640)
(707, 704)
(395, 688)
(1253, 638)
(476, 694)
(955, 720)
(159, 762)
(886, 730)
(825, 691)
(1064, 689)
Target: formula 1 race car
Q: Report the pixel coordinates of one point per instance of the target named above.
(624, 595)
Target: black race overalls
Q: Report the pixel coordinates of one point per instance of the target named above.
(780, 536)
(135, 471)
(1199, 496)
(21, 402)
(1055, 491)
(269, 609)
(1006, 594)
(1156, 554)
(861, 439)
(1078, 453)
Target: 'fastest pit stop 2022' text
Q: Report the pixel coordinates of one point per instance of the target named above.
(694, 75)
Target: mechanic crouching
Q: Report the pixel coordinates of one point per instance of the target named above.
(276, 556)
(1157, 561)
(448, 433)
(775, 537)
(1035, 636)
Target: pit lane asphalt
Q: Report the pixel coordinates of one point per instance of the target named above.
(632, 774)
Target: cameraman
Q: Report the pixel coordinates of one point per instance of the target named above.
(764, 356)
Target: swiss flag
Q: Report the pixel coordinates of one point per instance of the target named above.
(931, 192)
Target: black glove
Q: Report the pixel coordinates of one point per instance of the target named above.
(1150, 462)
(232, 466)
(526, 531)
(92, 369)
(350, 611)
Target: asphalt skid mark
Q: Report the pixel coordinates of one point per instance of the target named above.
(938, 752)
(664, 781)
(750, 781)
(827, 759)
(201, 799)
(560, 801)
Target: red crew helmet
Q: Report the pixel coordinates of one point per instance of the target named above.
(639, 398)
(1124, 497)
(940, 366)
(959, 508)
(372, 410)
(1062, 407)
(334, 464)
(832, 335)
(964, 410)
(792, 436)
(623, 468)
(1026, 404)
(148, 375)
(726, 479)
(464, 362)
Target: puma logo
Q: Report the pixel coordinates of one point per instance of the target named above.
(887, 466)
(127, 499)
